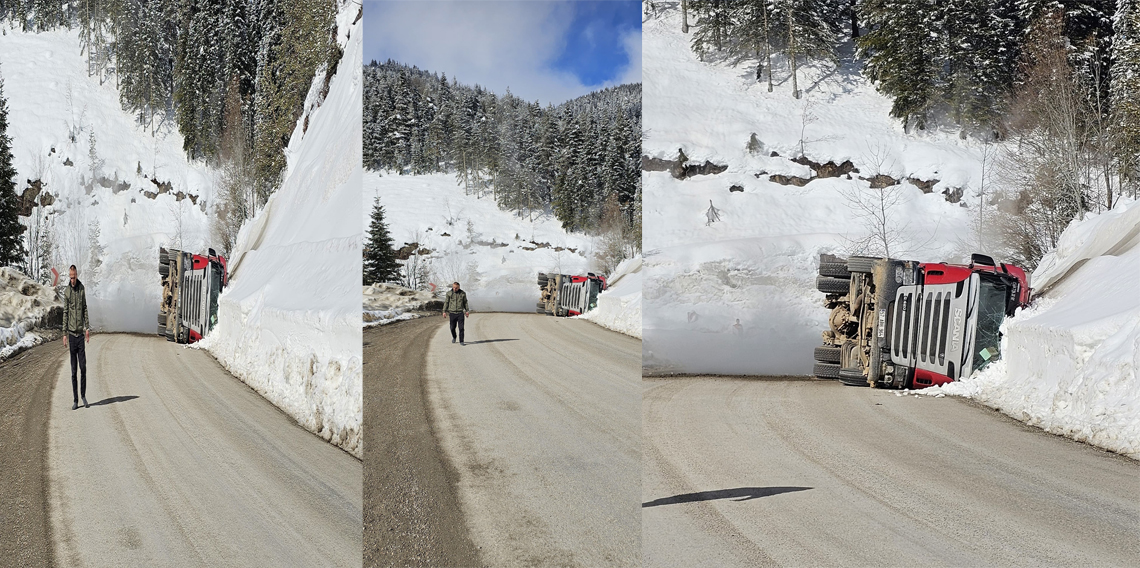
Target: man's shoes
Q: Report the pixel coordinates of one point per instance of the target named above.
(74, 405)
(453, 340)
(85, 405)
(462, 343)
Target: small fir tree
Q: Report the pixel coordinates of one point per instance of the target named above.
(11, 241)
(379, 256)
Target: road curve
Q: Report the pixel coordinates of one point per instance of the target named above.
(177, 463)
(540, 418)
(757, 472)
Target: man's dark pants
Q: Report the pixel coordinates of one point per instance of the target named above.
(456, 319)
(78, 354)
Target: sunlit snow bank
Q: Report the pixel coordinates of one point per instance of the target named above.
(1070, 362)
(387, 303)
(289, 323)
(495, 255)
(24, 306)
(619, 307)
(738, 295)
(137, 187)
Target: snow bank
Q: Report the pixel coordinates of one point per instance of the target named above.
(289, 323)
(1070, 362)
(495, 255)
(619, 307)
(24, 305)
(387, 303)
(738, 295)
(138, 186)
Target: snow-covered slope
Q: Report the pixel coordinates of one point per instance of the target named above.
(619, 307)
(386, 303)
(289, 323)
(54, 108)
(494, 255)
(1070, 362)
(738, 295)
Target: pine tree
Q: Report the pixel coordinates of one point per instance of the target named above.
(1125, 93)
(11, 241)
(379, 256)
(900, 56)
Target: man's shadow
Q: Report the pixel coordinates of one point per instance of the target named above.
(738, 494)
(489, 341)
(113, 400)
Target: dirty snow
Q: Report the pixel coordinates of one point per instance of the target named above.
(1070, 361)
(54, 108)
(738, 296)
(386, 303)
(289, 322)
(495, 255)
(619, 307)
(24, 306)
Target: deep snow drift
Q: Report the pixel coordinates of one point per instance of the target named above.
(738, 295)
(139, 189)
(619, 306)
(1070, 361)
(495, 255)
(24, 305)
(289, 322)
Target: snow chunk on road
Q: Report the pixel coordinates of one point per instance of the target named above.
(1070, 362)
(24, 305)
(619, 307)
(289, 323)
(386, 303)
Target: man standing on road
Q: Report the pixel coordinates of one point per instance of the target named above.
(75, 329)
(455, 307)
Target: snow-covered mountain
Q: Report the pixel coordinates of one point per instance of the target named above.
(289, 322)
(98, 168)
(495, 255)
(756, 265)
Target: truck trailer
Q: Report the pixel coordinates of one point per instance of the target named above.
(191, 284)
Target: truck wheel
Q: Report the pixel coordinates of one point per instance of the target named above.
(829, 285)
(164, 270)
(540, 311)
(826, 370)
(863, 264)
(827, 354)
(162, 319)
(852, 377)
(834, 269)
(161, 329)
(163, 257)
(541, 305)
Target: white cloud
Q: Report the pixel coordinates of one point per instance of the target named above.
(496, 44)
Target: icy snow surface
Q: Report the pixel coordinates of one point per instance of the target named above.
(1070, 361)
(619, 307)
(53, 108)
(739, 296)
(289, 322)
(474, 242)
(23, 304)
(386, 303)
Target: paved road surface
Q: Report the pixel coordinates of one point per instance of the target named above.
(540, 416)
(748, 472)
(26, 382)
(412, 515)
(177, 463)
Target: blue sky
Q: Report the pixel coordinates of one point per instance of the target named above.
(545, 50)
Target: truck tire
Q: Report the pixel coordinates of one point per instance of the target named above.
(161, 329)
(826, 370)
(829, 285)
(827, 354)
(541, 305)
(162, 319)
(163, 257)
(864, 264)
(164, 270)
(834, 269)
(852, 377)
(540, 311)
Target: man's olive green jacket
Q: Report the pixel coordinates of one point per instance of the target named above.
(75, 309)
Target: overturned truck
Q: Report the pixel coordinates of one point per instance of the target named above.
(569, 295)
(907, 324)
(191, 284)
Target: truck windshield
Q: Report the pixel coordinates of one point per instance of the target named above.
(595, 287)
(991, 312)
